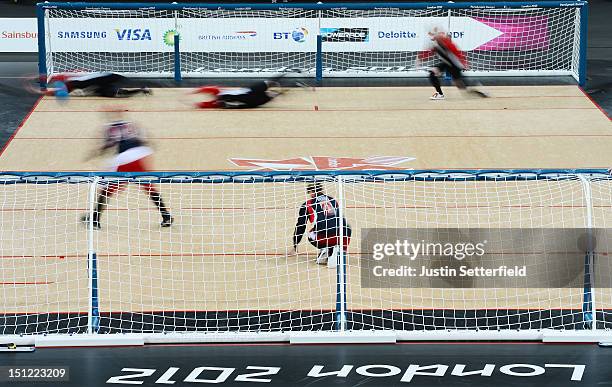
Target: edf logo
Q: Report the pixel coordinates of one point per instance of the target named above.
(455, 35)
(299, 35)
(133, 34)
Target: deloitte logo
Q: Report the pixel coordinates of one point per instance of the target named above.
(169, 37)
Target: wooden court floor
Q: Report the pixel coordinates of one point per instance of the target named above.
(520, 127)
(242, 262)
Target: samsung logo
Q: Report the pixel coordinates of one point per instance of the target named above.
(81, 34)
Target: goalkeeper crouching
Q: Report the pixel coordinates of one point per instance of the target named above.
(321, 211)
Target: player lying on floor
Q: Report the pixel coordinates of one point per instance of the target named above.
(257, 94)
(108, 85)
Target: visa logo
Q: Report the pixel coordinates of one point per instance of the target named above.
(133, 34)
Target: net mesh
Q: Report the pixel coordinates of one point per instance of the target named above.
(496, 41)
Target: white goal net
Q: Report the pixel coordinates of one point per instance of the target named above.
(225, 265)
(358, 40)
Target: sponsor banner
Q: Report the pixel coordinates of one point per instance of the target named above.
(18, 35)
(157, 35)
(110, 35)
(249, 35)
(403, 33)
(376, 34)
(517, 33)
(345, 34)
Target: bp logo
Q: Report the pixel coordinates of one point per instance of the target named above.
(299, 34)
(169, 37)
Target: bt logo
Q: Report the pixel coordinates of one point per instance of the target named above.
(299, 35)
(133, 34)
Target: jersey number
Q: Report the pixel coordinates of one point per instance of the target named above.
(328, 208)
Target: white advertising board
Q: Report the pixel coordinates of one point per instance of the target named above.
(18, 35)
(261, 34)
(197, 35)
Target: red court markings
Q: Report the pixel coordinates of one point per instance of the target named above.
(595, 103)
(20, 125)
(218, 209)
(322, 110)
(327, 137)
(27, 283)
(383, 88)
(247, 254)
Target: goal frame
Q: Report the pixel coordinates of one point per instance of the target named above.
(578, 51)
(592, 331)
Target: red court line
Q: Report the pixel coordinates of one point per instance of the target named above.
(20, 125)
(383, 88)
(241, 254)
(261, 344)
(27, 283)
(471, 342)
(323, 110)
(416, 207)
(595, 103)
(335, 137)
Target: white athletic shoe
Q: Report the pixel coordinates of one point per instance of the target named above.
(437, 96)
(322, 258)
(333, 260)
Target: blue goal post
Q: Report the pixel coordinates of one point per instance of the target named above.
(319, 40)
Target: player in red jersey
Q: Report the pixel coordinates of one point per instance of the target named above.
(255, 95)
(321, 211)
(133, 155)
(451, 59)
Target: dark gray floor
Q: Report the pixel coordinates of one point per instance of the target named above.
(550, 365)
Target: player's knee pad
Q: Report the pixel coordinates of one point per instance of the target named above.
(432, 76)
(208, 105)
(214, 90)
